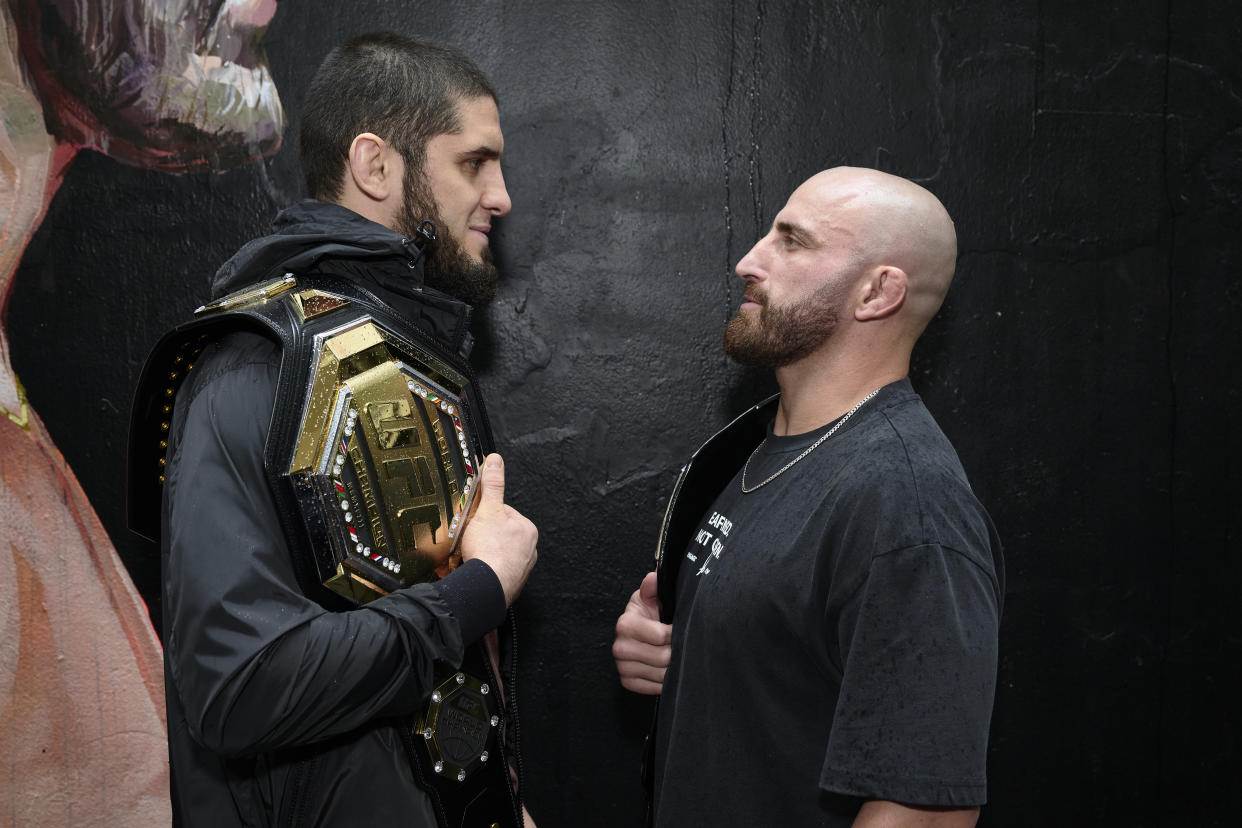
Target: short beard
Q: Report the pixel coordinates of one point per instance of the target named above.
(781, 335)
(447, 267)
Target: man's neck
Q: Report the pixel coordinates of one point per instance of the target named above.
(368, 208)
(819, 389)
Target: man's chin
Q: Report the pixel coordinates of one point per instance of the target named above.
(474, 283)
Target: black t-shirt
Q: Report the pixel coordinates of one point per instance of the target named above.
(835, 632)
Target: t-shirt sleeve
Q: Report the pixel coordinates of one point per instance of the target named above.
(918, 640)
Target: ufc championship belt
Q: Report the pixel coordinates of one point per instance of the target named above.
(373, 454)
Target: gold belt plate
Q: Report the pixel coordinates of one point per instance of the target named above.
(386, 453)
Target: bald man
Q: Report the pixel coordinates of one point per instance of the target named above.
(822, 623)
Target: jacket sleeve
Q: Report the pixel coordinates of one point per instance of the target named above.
(257, 665)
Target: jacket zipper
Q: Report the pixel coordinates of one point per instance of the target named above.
(302, 773)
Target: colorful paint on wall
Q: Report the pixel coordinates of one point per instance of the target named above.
(174, 85)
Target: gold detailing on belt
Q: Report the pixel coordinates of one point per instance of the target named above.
(312, 303)
(251, 296)
(384, 452)
(182, 365)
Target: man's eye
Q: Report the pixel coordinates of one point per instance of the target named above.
(475, 164)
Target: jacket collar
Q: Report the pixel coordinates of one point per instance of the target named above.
(315, 236)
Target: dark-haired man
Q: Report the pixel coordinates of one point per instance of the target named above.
(822, 624)
(328, 655)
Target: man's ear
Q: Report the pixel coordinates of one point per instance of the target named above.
(373, 168)
(884, 292)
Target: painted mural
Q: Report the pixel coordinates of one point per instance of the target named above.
(173, 85)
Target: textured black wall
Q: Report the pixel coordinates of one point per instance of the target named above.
(1084, 364)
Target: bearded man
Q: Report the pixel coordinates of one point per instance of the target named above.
(822, 623)
(308, 450)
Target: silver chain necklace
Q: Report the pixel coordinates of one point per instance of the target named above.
(809, 448)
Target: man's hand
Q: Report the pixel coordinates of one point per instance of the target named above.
(882, 814)
(500, 535)
(643, 644)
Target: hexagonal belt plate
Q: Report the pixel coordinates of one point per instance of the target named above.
(458, 725)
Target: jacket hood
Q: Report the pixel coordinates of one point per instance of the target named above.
(317, 236)
(310, 231)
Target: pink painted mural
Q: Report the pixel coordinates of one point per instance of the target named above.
(173, 85)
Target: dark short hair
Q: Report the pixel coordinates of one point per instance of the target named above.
(404, 89)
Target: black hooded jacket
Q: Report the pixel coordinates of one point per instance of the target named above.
(280, 712)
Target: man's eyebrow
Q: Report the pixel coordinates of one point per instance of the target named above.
(481, 151)
(788, 228)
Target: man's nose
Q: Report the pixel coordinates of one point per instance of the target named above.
(495, 197)
(750, 265)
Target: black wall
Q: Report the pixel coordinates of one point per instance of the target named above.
(1085, 364)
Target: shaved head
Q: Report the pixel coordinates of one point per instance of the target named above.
(850, 248)
(891, 221)
(840, 289)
